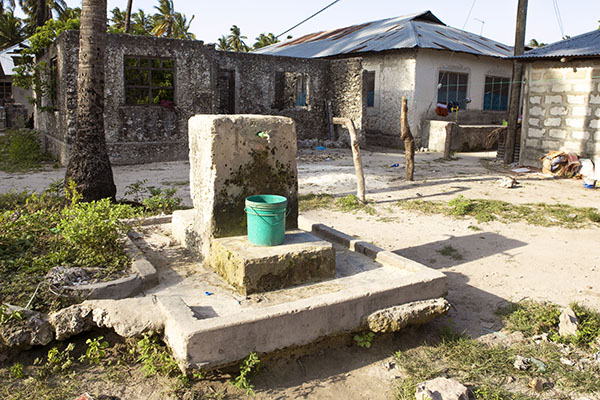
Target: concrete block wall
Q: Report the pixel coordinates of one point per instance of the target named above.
(561, 109)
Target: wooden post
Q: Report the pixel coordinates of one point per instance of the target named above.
(450, 129)
(515, 87)
(409, 142)
(330, 120)
(358, 168)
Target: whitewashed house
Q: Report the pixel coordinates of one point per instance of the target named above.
(419, 57)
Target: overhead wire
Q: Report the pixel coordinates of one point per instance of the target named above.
(558, 18)
(312, 16)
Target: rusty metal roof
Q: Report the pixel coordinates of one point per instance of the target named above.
(584, 45)
(422, 30)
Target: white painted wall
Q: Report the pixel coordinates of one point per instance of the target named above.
(394, 78)
(414, 74)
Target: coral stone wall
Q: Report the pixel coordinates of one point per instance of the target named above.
(259, 84)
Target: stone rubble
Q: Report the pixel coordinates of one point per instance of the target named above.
(568, 324)
(441, 389)
(395, 318)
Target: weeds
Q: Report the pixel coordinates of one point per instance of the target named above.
(95, 350)
(349, 203)
(60, 361)
(486, 368)
(154, 357)
(16, 371)
(314, 201)
(39, 232)
(484, 210)
(364, 339)
(154, 200)
(533, 318)
(242, 381)
(20, 150)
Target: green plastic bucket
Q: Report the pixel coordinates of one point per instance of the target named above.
(266, 219)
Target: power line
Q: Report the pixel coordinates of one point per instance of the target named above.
(315, 14)
(469, 15)
(558, 18)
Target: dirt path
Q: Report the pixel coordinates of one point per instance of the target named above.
(499, 263)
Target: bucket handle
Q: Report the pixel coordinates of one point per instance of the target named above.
(264, 220)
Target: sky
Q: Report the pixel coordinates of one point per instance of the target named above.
(214, 18)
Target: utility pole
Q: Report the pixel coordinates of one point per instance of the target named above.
(515, 90)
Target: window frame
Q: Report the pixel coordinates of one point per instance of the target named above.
(302, 90)
(447, 75)
(370, 99)
(6, 95)
(504, 82)
(151, 88)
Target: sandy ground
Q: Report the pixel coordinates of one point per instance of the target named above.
(500, 263)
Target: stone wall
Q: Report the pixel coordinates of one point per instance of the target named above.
(257, 77)
(146, 133)
(561, 109)
(347, 94)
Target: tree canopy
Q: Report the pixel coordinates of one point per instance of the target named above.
(235, 41)
(165, 22)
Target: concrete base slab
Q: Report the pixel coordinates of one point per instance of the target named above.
(207, 324)
(302, 258)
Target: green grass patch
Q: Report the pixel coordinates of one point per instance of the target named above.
(486, 367)
(350, 203)
(51, 229)
(347, 203)
(484, 210)
(20, 150)
(534, 318)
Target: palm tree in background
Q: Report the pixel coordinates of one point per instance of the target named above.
(235, 40)
(11, 5)
(12, 30)
(181, 30)
(164, 19)
(265, 40)
(89, 165)
(534, 43)
(117, 21)
(128, 16)
(70, 13)
(40, 11)
(142, 23)
(223, 43)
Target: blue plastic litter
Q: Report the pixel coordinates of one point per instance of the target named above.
(320, 148)
(208, 293)
(394, 165)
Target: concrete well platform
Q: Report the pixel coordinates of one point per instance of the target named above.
(302, 258)
(208, 324)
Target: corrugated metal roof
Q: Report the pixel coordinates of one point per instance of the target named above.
(422, 30)
(584, 45)
(6, 57)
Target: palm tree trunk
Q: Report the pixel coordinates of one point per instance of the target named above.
(40, 13)
(89, 165)
(128, 15)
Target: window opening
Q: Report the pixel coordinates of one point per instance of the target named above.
(370, 88)
(149, 80)
(453, 88)
(496, 93)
